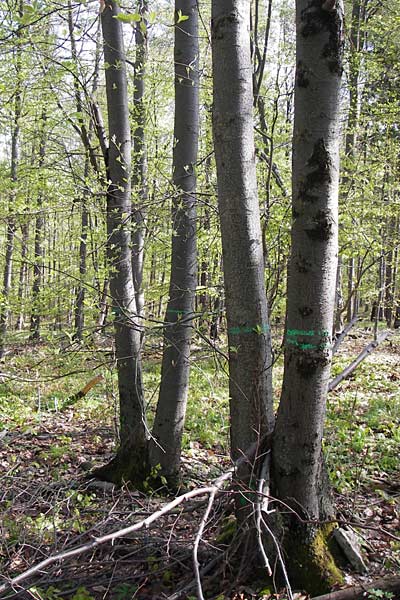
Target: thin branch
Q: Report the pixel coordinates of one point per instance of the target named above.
(262, 506)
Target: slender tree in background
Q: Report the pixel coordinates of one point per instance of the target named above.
(23, 272)
(36, 313)
(351, 133)
(297, 454)
(130, 462)
(11, 225)
(171, 408)
(250, 383)
(139, 171)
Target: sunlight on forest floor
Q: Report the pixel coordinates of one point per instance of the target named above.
(47, 504)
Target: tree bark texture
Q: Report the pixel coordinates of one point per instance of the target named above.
(36, 313)
(139, 179)
(23, 273)
(11, 226)
(250, 382)
(131, 461)
(171, 408)
(313, 262)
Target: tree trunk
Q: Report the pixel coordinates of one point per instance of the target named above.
(86, 135)
(139, 179)
(350, 290)
(338, 322)
(250, 380)
(4, 313)
(389, 268)
(171, 408)
(79, 314)
(130, 463)
(351, 135)
(39, 248)
(23, 271)
(11, 225)
(298, 475)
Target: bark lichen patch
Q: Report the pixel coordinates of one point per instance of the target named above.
(314, 19)
(325, 16)
(306, 197)
(218, 25)
(302, 264)
(333, 50)
(301, 75)
(309, 361)
(305, 311)
(321, 164)
(320, 227)
(321, 160)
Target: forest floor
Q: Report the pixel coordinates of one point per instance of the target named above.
(48, 504)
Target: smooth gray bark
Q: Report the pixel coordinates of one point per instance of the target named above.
(11, 226)
(171, 408)
(313, 262)
(4, 313)
(250, 381)
(351, 134)
(23, 273)
(130, 462)
(36, 314)
(79, 313)
(139, 178)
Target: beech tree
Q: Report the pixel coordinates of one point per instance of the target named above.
(11, 224)
(140, 169)
(250, 361)
(171, 407)
(297, 454)
(130, 462)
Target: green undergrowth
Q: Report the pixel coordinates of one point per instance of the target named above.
(50, 445)
(40, 379)
(362, 438)
(362, 431)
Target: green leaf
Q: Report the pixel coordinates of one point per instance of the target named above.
(182, 17)
(128, 18)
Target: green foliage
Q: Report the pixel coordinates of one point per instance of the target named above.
(124, 591)
(363, 433)
(181, 17)
(128, 17)
(379, 595)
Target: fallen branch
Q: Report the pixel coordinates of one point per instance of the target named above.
(82, 393)
(97, 541)
(360, 592)
(217, 486)
(362, 356)
(341, 337)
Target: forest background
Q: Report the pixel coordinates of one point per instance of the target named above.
(55, 321)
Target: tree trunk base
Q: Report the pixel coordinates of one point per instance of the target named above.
(129, 465)
(309, 560)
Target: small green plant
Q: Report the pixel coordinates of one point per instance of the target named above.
(124, 591)
(82, 594)
(379, 595)
(154, 477)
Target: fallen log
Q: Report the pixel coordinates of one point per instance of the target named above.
(362, 356)
(388, 585)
